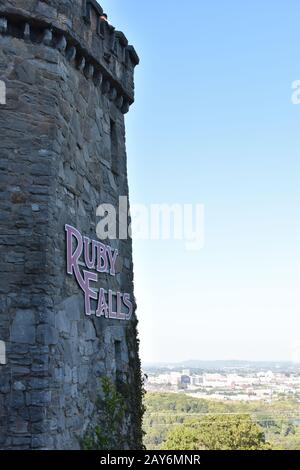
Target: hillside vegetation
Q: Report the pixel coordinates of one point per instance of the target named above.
(177, 421)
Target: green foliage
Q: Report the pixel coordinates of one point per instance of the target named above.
(165, 411)
(119, 413)
(136, 391)
(108, 434)
(183, 438)
(232, 432)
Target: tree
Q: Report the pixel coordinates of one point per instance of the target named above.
(183, 437)
(218, 432)
(109, 432)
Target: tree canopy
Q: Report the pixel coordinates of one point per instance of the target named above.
(218, 432)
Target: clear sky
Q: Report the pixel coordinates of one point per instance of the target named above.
(214, 123)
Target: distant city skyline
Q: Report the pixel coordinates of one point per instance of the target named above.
(214, 123)
(196, 364)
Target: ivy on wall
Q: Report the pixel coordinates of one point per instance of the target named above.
(109, 433)
(121, 406)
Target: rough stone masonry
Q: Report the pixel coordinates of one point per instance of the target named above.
(69, 81)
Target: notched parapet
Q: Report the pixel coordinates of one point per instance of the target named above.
(80, 31)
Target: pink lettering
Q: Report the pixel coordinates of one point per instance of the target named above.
(102, 262)
(112, 260)
(102, 309)
(101, 258)
(89, 261)
(127, 302)
(111, 313)
(88, 292)
(120, 315)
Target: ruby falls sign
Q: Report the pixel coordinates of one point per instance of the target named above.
(96, 257)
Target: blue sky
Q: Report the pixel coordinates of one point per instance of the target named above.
(213, 123)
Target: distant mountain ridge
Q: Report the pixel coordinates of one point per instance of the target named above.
(224, 364)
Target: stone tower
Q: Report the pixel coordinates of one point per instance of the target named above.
(68, 76)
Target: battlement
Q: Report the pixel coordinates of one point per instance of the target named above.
(80, 31)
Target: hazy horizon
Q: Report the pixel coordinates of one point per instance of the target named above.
(275, 361)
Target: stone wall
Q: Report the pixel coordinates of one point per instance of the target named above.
(69, 80)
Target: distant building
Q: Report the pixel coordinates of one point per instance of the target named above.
(215, 380)
(185, 380)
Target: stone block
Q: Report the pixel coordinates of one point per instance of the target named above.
(23, 327)
(46, 334)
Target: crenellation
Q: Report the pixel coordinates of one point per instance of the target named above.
(27, 32)
(61, 44)
(3, 25)
(47, 37)
(71, 53)
(89, 8)
(118, 58)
